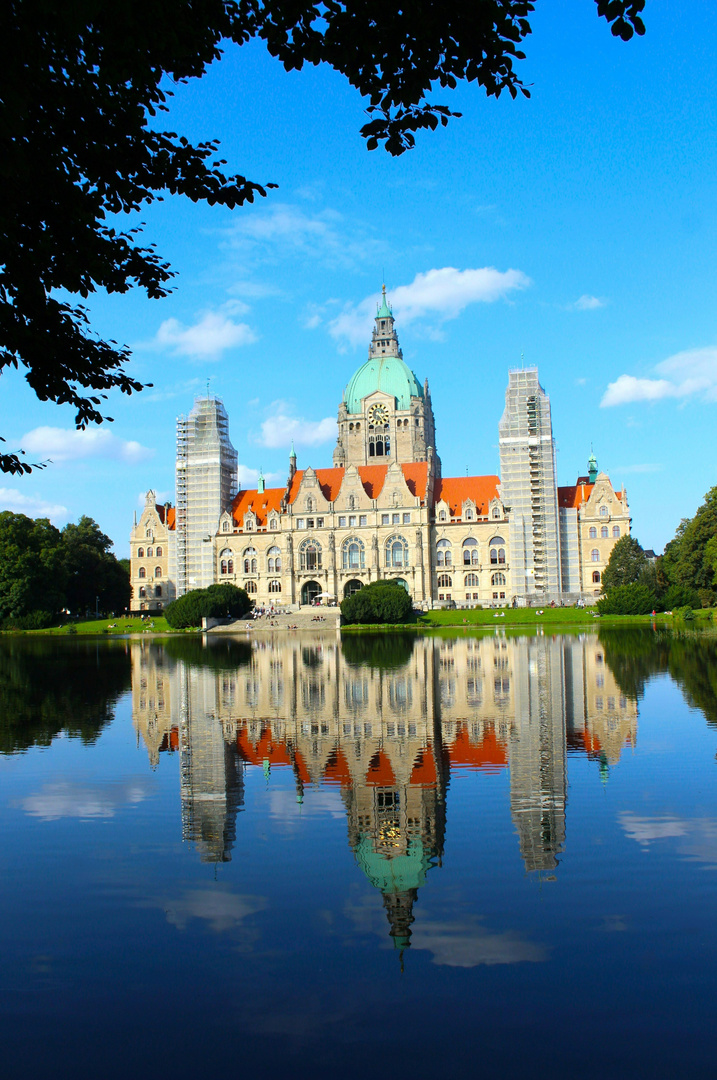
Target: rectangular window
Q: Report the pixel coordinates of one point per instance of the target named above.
(319, 523)
(406, 519)
(309, 523)
(385, 519)
(395, 519)
(502, 596)
(299, 523)
(352, 521)
(342, 522)
(363, 520)
(495, 595)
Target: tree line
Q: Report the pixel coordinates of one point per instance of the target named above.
(684, 578)
(45, 571)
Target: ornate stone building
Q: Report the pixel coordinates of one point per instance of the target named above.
(385, 511)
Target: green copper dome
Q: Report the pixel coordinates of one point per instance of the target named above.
(399, 874)
(387, 373)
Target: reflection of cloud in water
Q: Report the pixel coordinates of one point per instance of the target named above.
(698, 836)
(68, 800)
(468, 944)
(223, 910)
(283, 805)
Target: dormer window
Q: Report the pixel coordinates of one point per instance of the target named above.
(441, 515)
(225, 526)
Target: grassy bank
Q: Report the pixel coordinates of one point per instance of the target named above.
(155, 625)
(529, 617)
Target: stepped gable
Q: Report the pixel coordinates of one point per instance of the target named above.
(578, 494)
(373, 477)
(455, 490)
(262, 503)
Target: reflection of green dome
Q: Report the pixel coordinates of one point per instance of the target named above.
(387, 373)
(398, 874)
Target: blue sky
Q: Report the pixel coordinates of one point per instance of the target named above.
(576, 229)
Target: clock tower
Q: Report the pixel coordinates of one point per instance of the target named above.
(385, 414)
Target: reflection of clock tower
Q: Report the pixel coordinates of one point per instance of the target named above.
(385, 415)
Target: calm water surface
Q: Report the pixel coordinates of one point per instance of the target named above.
(296, 857)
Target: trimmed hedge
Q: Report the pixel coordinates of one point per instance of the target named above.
(218, 601)
(379, 602)
(633, 599)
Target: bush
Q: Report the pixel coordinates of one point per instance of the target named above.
(379, 602)
(679, 596)
(685, 613)
(631, 599)
(34, 620)
(218, 601)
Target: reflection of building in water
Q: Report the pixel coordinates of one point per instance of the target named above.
(387, 736)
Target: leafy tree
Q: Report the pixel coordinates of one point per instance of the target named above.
(632, 599)
(93, 574)
(217, 601)
(32, 572)
(690, 559)
(626, 563)
(379, 602)
(81, 87)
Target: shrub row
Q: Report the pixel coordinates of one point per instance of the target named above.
(379, 602)
(217, 602)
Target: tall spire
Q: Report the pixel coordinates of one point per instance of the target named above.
(384, 340)
(592, 466)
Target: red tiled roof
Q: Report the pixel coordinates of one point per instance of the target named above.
(265, 749)
(261, 502)
(454, 490)
(574, 497)
(170, 515)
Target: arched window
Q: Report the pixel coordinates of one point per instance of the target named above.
(396, 552)
(250, 560)
(470, 552)
(159, 553)
(223, 567)
(468, 514)
(150, 553)
(249, 524)
(273, 559)
(441, 515)
(496, 514)
(604, 511)
(140, 553)
(595, 555)
(352, 502)
(250, 586)
(497, 579)
(596, 577)
(444, 555)
(142, 572)
(604, 532)
(158, 571)
(142, 591)
(309, 505)
(273, 524)
(593, 532)
(471, 581)
(225, 526)
(157, 590)
(310, 555)
(353, 556)
(444, 581)
(274, 586)
(497, 551)
(616, 530)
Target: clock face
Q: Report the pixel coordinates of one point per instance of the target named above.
(378, 414)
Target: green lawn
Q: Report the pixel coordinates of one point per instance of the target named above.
(529, 616)
(157, 625)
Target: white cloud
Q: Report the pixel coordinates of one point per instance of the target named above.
(206, 339)
(587, 303)
(248, 477)
(70, 800)
(221, 909)
(31, 506)
(646, 829)
(69, 444)
(280, 428)
(439, 294)
(684, 375)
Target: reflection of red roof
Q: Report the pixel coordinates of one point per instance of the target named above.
(380, 771)
(488, 754)
(337, 769)
(261, 502)
(424, 769)
(264, 750)
(592, 744)
(455, 490)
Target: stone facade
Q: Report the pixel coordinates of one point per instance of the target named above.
(152, 556)
(385, 511)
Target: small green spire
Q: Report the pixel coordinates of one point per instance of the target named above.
(592, 466)
(260, 484)
(384, 312)
(293, 452)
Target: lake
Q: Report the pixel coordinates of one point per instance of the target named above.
(304, 855)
